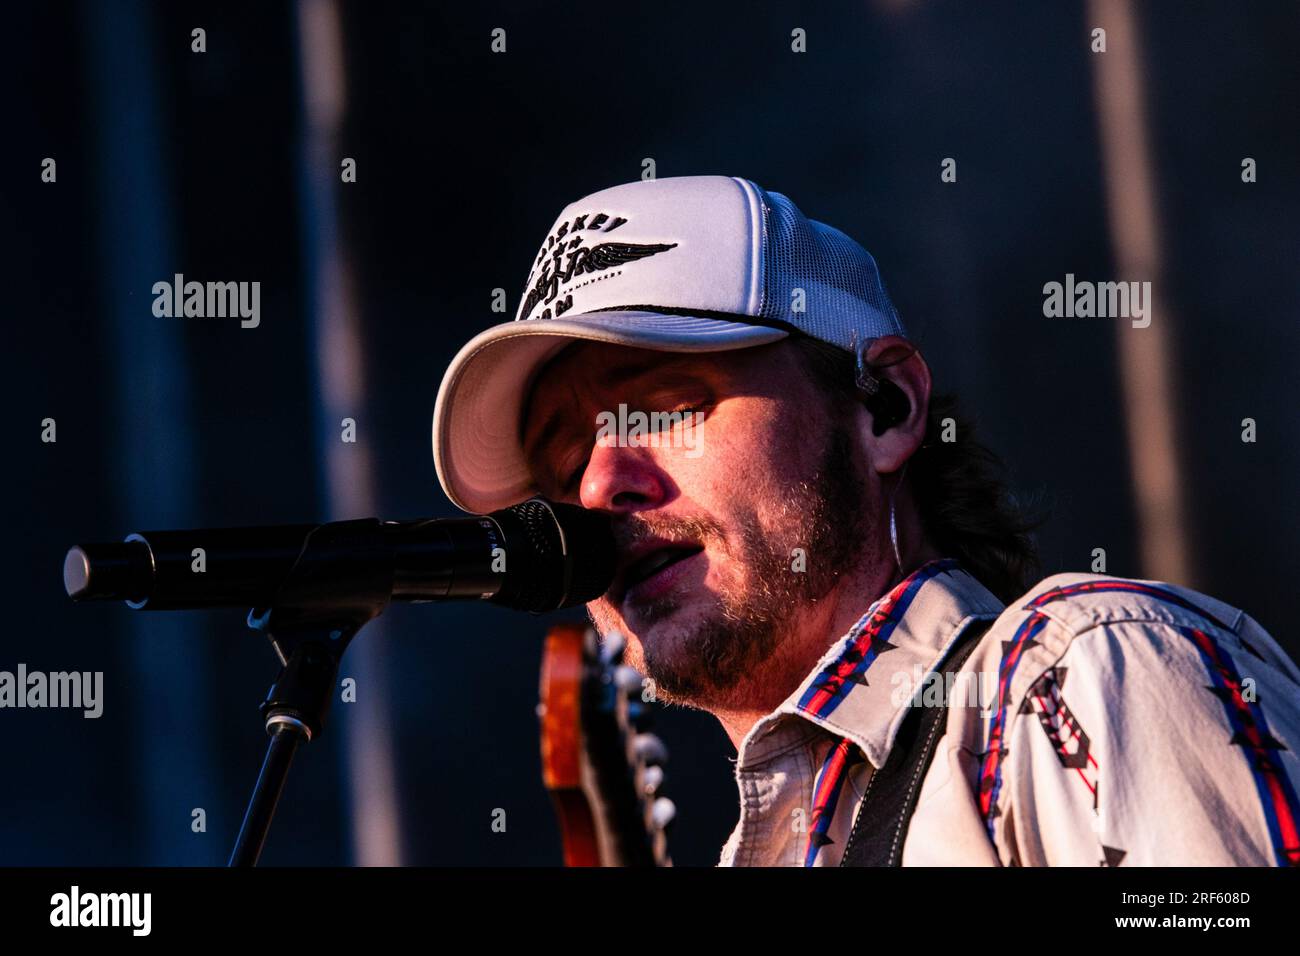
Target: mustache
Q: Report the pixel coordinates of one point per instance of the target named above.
(633, 530)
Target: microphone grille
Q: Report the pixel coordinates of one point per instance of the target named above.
(556, 555)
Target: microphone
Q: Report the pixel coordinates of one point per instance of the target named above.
(536, 556)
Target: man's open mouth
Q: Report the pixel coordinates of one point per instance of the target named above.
(650, 565)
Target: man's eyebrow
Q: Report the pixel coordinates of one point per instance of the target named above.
(636, 369)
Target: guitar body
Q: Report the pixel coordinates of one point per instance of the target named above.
(602, 770)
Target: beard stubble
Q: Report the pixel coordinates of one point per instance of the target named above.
(753, 619)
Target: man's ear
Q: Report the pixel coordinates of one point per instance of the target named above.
(895, 359)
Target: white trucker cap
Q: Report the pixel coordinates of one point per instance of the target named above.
(688, 264)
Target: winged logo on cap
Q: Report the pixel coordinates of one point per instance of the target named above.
(597, 258)
(609, 254)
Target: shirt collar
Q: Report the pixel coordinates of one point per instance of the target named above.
(854, 691)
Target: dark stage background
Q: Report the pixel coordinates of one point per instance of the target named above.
(224, 165)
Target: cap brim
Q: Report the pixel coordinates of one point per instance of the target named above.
(476, 446)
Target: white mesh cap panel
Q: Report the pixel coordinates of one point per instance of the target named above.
(842, 289)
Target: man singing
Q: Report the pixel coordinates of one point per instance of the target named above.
(814, 549)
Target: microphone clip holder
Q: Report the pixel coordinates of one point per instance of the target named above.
(309, 636)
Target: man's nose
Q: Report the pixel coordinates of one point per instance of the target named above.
(622, 479)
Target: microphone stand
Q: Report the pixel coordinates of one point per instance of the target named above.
(335, 587)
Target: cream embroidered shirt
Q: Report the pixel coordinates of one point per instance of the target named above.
(1098, 721)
